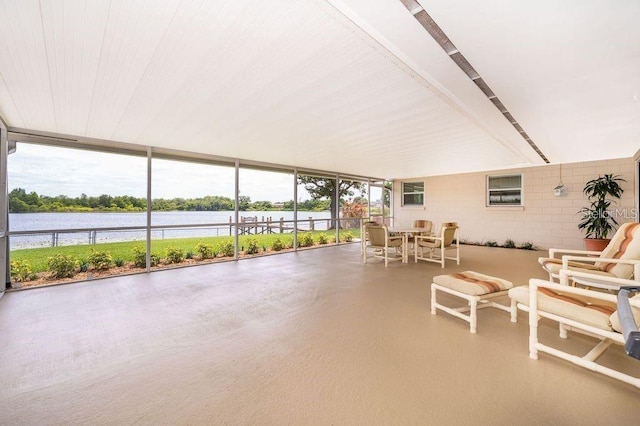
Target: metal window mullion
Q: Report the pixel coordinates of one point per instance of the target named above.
(295, 209)
(237, 211)
(337, 211)
(5, 269)
(369, 203)
(149, 205)
(391, 202)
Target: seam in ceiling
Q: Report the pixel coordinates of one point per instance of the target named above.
(456, 56)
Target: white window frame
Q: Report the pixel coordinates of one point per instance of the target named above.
(519, 188)
(403, 193)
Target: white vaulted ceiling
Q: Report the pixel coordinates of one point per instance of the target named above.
(353, 86)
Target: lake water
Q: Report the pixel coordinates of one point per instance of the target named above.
(48, 222)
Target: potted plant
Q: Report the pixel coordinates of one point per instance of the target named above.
(597, 222)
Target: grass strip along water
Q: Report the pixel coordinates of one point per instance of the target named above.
(37, 260)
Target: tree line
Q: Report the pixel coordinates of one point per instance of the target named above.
(22, 202)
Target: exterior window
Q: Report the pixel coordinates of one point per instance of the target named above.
(504, 190)
(412, 193)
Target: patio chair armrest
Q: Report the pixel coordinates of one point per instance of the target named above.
(554, 251)
(633, 262)
(585, 259)
(427, 237)
(566, 275)
(567, 258)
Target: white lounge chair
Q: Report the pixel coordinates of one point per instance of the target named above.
(620, 259)
(593, 313)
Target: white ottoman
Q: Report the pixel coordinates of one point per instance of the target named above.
(478, 289)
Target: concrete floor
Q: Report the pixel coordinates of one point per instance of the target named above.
(314, 337)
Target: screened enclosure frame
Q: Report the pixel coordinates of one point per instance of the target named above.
(151, 154)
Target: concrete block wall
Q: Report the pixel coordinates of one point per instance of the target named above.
(544, 220)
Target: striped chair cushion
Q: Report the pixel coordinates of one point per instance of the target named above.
(472, 283)
(625, 244)
(586, 310)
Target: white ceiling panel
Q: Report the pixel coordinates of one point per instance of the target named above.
(569, 71)
(351, 86)
(24, 67)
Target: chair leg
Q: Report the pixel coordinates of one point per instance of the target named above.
(514, 310)
(533, 323)
(562, 329)
(433, 300)
(473, 315)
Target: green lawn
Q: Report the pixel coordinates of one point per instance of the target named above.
(37, 257)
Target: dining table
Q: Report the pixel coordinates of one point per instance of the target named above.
(406, 232)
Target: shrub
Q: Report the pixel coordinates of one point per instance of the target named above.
(288, 244)
(84, 265)
(509, 244)
(306, 240)
(346, 237)
(491, 243)
(119, 262)
(205, 251)
(174, 254)
(527, 246)
(188, 255)
(277, 245)
(20, 270)
(227, 248)
(252, 246)
(140, 258)
(62, 266)
(322, 239)
(100, 260)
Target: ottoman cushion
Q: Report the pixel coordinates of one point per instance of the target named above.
(472, 283)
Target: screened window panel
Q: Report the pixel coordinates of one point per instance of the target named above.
(505, 190)
(505, 198)
(413, 199)
(502, 182)
(413, 193)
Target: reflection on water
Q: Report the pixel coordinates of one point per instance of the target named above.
(57, 221)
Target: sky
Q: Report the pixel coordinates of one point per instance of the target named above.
(58, 171)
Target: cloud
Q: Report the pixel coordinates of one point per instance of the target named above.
(62, 171)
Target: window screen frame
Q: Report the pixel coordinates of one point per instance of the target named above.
(405, 193)
(490, 191)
